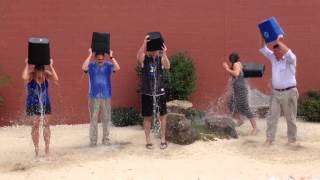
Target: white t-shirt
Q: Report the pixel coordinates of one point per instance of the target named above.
(283, 70)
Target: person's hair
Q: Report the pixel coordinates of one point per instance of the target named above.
(234, 57)
(276, 46)
(39, 68)
(99, 53)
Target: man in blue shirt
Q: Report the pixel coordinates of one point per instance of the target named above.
(99, 70)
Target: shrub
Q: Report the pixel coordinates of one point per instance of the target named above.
(309, 106)
(180, 80)
(126, 116)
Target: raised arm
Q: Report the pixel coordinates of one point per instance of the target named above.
(264, 49)
(26, 71)
(52, 75)
(283, 47)
(288, 54)
(165, 60)
(142, 51)
(116, 66)
(87, 61)
(235, 71)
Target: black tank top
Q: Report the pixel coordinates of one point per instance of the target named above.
(152, 76)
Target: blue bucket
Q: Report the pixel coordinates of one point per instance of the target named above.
(270, 29)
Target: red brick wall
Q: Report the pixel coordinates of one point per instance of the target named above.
(208, 30)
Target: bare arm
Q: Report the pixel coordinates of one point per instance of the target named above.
(288, 54)
(26, 74)
(235, 71)
(87, 61)
(264, 49)
(283, 47)
(142, 51)
(165, 60)
(116, 66)
(52, 75)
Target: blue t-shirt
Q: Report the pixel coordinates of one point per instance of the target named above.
(100, 79)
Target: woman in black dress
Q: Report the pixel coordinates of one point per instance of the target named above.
(239, 99)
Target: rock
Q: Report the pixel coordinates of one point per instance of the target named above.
(179, 129)
(223, 126)
(178, 106)
(262, 112)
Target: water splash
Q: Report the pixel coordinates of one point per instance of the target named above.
(41, 93)
(155, 107)
(219, 107)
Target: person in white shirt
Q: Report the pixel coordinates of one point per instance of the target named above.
(284, 93)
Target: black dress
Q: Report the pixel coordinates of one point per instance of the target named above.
(239, 98)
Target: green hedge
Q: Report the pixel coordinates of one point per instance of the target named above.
(180, 80)
(126, 116)
(309, 106)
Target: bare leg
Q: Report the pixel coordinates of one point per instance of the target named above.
(35, 134)
(147, 127)
(237, 117)
(255, 129)
(163, 124)
(47, 134)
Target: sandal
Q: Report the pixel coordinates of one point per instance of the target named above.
(163, 145)
(149, 146)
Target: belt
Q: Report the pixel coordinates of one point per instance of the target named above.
(285, 89)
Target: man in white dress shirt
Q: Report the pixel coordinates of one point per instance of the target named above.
(284, 93)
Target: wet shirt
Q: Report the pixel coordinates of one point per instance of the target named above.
(37, 94)
(152, 76)
(239, 80)
(284, 70)
(100, 79)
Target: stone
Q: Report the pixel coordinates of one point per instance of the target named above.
(259, 103)
(179, 129)
(222, 126)
(178, 106)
